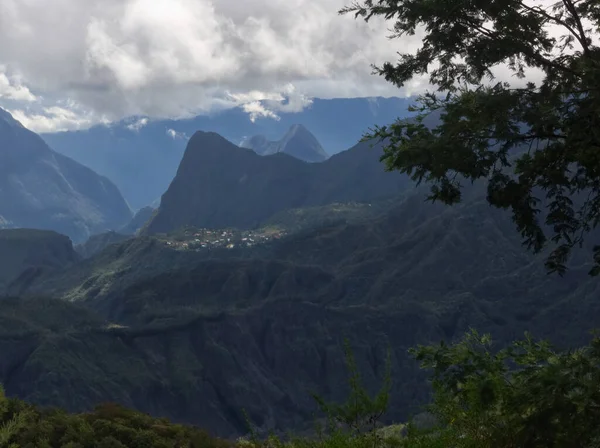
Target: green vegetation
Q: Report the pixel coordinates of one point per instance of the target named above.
(198, 336)
(537, 143)
(526, 394)
(108, 426)
(306, 218)
(203, 336)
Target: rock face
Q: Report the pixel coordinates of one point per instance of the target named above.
(298, 142)
(219, 184)
(40, 188)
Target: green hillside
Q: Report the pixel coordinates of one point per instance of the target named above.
(197, 336)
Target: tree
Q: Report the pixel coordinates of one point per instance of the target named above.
(537, 145)
(525, 395)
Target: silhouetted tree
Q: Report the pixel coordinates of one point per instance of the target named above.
(538, 144)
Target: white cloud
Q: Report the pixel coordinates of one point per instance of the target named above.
(12, 89)
(176, 135)
(266, 104)
(175, 58)
(138, 124)
(65, 115)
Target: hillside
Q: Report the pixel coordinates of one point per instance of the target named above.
(297, 142)
(21, 249)
(42, 189)
(219, 184)
(97, 243)
(190, 370)
(171, 331)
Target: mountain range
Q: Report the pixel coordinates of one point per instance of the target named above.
(297, 142)
(141, 155)
(40, 188)
(219, 184)
(201, 335)
(157, 316)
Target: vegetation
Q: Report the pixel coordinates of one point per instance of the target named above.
(526, 394)
(108, 426)
(307, 218)
(537, 143)
(140, 332)
(419, 274)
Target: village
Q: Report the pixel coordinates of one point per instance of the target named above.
(206, 239)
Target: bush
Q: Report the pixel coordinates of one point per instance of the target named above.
(525, 395)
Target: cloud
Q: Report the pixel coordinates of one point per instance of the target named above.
(138, 124)
(62, 117)
(176, 135)
(177, 58)
(174, 58)
(12, 89)
(267, 104)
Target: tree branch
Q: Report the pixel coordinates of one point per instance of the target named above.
(582, 39)
(558, 21)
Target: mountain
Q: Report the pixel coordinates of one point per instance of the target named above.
(40, 188)
(141, 217)
(219, 184)
(141, 155)
(298, 142)
(97, 243)
(199, 336)
(22, 249)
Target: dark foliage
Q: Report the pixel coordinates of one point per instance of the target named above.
(108, 426)
(536, 143)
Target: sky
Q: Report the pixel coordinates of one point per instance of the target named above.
(69, 64)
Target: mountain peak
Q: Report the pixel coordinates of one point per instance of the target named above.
(42, 189)
(6, 117)
(296, 128)
(297, 142)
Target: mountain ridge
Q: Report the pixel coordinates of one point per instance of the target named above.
(297, 142)
(218, 184)
(184, 326)
(142, 161)
(40, 188)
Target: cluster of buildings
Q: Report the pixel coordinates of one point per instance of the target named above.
(205, 239)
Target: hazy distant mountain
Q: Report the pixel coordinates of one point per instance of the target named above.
(219, 184)
(141, 217)
(42, 189)
(297, 142)
(141, 156)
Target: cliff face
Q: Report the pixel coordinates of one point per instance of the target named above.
(219, 184)
(42, 189)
